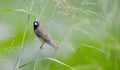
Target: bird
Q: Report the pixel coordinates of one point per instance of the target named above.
(43, 35)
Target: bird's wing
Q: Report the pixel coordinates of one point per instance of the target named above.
(45, 35)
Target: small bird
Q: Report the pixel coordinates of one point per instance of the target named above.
(43, 35)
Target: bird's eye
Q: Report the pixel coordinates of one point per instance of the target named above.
(36, 23)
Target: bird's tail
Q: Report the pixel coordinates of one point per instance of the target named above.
(54, 45)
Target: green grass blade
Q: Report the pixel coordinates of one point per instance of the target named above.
(26, 64)
(52, 59)
(18, 10)
(57, 61)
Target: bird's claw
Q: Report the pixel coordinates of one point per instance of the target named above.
(41, 47)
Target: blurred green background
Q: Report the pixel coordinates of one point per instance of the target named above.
(87, 32)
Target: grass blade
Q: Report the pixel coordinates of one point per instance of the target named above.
(57, 61)
(23, 65)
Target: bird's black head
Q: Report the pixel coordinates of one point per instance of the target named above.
(35, 24)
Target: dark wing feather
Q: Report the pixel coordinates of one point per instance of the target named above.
(43, 34)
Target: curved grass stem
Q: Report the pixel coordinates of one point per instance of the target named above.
(37, 59)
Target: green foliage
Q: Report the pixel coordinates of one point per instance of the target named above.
(87, 32)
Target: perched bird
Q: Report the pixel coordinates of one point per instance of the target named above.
(43, 35)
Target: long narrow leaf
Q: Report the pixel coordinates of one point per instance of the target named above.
(23, 65)
(19, 10)
(55, 60)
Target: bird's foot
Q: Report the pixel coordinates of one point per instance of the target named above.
(41, 47)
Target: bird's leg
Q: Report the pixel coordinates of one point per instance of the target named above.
(41, 47)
